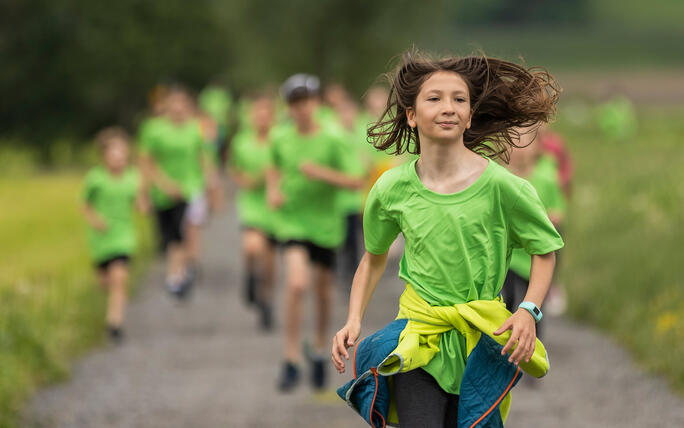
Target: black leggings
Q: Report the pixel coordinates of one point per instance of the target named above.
(422, 403)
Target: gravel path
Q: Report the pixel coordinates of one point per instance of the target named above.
(204, 364)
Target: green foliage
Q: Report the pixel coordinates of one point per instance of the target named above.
(51, 310)
(624, 236)
(70, 67)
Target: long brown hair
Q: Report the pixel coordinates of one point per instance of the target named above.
(503, 96)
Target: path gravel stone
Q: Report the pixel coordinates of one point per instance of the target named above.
(205, 364)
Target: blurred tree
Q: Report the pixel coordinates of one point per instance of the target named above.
(72, 66)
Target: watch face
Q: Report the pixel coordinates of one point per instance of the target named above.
(536, 311)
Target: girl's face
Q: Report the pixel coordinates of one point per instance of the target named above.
(178, 107)
(116, 154)
(442, 108)
(263, 112)
(529, 151)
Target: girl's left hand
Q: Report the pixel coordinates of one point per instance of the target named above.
(524, 332)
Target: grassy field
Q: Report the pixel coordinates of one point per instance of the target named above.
(50, 308)
(624, 237)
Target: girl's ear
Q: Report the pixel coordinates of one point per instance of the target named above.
(470, 119)
(411, 117)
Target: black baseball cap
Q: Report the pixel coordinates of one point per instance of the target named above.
(300, 86)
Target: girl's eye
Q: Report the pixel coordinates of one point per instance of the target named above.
(460, 100)
(433, 99)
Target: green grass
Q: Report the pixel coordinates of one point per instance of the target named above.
(50, 308)
(624, 237)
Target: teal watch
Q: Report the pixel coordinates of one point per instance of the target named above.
(533, 310)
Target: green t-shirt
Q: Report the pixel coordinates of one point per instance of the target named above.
(216, 102)
(458, 246)
(544, 179)
(178, 150)
(310, 210)
(251, 157)
(357, 163)
(113, 198)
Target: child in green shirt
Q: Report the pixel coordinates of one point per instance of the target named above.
(460, 212)
(302, 186)
(110, 193)
(531, 163)
(179, 168)
(247, 166)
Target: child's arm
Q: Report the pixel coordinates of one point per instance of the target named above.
(273, 194)
(212, 179)
(94, 219)
(243, 180)
(157, 177)
(330, 175)
(521, 323)
(365, 280)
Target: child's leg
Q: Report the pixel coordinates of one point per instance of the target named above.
(421, 402)
(192, 243)
(195, 216)
(252, 248)
(118, 281)
(267, 272)
(102, 278)
(297, 280)
(324, 281)
(175, 262)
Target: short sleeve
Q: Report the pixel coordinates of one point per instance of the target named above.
(380, 228)
(274, 155)
(350, 159)
(90, 188)
(146, 138)
(530, 227)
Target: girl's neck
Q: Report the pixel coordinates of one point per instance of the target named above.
(262, 135)
(307, 128)
(524, 167)
(450, 167)
(115, 172)
(442, 160)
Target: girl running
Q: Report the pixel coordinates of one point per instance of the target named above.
(461, 215)
(247, 167)
(111, 191)
(176, 164)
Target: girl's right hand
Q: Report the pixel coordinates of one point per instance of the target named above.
(275, 199)
(100, 225)
(344, 339)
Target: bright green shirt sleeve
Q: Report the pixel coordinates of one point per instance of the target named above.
(89, 187)
(380, 228)
(530, 226)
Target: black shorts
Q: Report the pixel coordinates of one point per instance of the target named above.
(170, 222)
(104, 265)
(321, 256)
(272, 241)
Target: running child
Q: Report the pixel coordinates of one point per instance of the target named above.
(111, 191)
(531, 163)
(461, 215)
(177, 165)
(303, 183)
(247, 166)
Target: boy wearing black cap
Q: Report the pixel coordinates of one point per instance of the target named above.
(303, 180)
